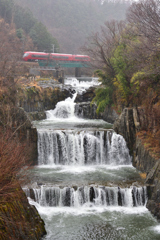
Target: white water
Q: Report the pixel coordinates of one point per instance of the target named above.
(89, 196)
(81, 86)
(76, 165)
(75, 147)
(79, 147)
(64, 109)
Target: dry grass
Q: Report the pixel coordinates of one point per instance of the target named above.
(151, 142)
(143, 175)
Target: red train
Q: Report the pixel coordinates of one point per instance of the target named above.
(39, 56)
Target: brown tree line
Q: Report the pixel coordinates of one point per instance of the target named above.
(13, 154)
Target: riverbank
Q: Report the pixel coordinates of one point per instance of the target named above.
(130, 125)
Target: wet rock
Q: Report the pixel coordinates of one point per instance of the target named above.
(125, 126)
(19, 219)
(40, 99)
(86, 110)
(129, 123)
(142, 159)
(86, 96)
(109, 115)
(92, 194)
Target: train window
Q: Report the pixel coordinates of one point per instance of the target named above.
(39, 56)
(26, 55)
(62, 57)
(81, 58)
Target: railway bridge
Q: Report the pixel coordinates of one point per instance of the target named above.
(57, 62)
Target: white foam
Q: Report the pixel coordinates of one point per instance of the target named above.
(85, 168)
(156, 228)
(90, 210)
(81, 86)
(64, 109)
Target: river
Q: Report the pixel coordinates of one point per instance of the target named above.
(84, 185)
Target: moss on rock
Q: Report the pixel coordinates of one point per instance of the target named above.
(18, 219)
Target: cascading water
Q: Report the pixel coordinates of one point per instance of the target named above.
(69, 147)
(81, 85)
(84, 186)
(64, 109)
(88, 196)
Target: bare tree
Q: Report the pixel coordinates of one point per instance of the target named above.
(11, 46)
(145, 17)
(101, 45)
(9, 51)
(13, 156)
(144, 27)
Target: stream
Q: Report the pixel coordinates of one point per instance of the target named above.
(84, 186)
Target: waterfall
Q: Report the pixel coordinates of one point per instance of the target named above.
(88, 196)
(64, 109)
(79, 185)
(79, 147)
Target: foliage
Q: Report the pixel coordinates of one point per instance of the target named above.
(103, 98)
(106, 54)
(103, 95)
(135, 81)
(39, 34)
(6, 10)
(104, 78)
(122, 80)
(20, 33)
(128, 53)
(24, 19)
(42, 39)
(132, 65)
(26, 24)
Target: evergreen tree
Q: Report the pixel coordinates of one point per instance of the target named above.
(6, 10)
(42, 39)
(24, 19)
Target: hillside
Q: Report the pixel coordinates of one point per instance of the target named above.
(70, 21)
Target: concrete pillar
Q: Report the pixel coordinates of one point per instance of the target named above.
(77, 72)
(57, 73)
(61, 76)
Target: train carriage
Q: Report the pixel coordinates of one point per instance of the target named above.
(57, 59)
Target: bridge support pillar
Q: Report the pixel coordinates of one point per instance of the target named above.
(61, 76)
(57, 73)
(77, 72)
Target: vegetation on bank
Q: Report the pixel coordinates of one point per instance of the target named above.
(18, 219)
(127, 54)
